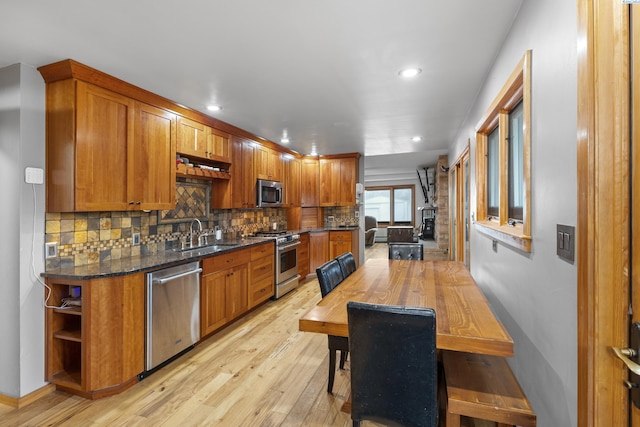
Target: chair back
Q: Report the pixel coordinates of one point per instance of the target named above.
(406, 251)
(393, 364)
(329, 276)
(347, 263)
(370, 222)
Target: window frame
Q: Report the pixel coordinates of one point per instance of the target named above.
(516, 89)
(392, 189)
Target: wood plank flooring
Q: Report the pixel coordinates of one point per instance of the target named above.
(259, 371)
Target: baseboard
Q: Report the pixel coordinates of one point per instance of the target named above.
(21, 402)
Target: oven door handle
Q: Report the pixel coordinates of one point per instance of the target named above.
(282, 248)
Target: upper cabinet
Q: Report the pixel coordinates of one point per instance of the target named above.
(106, 151)
(310, 186)
(243, 181)
(292, 181)
(338, 177)
(203, 142)
(268, 163)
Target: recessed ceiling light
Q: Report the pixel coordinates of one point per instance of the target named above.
(284, 140)
(214, 107)
(409, 72)
(416, 139)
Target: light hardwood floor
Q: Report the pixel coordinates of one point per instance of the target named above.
(259, 371)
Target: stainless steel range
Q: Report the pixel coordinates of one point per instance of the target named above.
(286, 276)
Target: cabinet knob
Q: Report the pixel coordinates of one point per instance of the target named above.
(131, 202)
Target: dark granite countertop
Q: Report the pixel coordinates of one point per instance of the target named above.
(158, 260)
(150, 262)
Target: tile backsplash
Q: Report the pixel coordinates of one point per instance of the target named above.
(91, 237)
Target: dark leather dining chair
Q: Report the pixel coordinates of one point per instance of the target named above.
(329, 276)
(347, 263)
(393, 364)
(406, 251)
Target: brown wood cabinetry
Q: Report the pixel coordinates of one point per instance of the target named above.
(310, 183)
(219, 145)
(261, 274)
(338, 177)
(318, 249)
(268, 163)
(107, 152)
(303, 255)
(203, 142)
(223, 292)
(292, 181)
(243, 180)
(192, 138)
(96, 349)
(344, 241)
(339, 243)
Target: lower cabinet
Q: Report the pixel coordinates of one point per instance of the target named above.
(233, 283)
(318, 249)
(95, 349)
(303, 255)
(261, 274)
(339, 243)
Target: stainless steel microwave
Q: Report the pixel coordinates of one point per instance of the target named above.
(268, 193)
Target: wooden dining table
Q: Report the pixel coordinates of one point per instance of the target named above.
(464, 319)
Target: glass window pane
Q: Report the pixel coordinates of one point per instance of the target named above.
(402, 205)
(377, 203)
(516, 171)
(493, 173)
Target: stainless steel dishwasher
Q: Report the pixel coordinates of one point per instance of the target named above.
(173, 313)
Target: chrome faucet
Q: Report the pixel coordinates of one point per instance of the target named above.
(196, 220)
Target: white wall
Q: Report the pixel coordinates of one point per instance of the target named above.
(22, 142)
(535, 294)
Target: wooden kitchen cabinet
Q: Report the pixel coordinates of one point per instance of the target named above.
(96, 349)
(318, 249)
(261, 274)
(338, 177)
(292, 182)
(219, 146)
(310, 184)
(201, 142)
(192, 138)
(107, 152)
(339, 243)
(224, 289)
(243, 180)
(268, 163)
(303, 255)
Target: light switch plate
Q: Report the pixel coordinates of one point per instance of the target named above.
(136, 239)
(50, 250)
(565, 242)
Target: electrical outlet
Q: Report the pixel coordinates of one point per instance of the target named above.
(136, 239)
(50, 250)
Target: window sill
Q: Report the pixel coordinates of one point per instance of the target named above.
(507, 234)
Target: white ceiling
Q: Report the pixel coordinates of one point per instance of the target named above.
(323, 71)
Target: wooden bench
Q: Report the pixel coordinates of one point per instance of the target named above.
(484, 387)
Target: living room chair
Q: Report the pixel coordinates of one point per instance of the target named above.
(370, 230)
(329, 276)
(394, 373)
(347, 263)
(406, 251)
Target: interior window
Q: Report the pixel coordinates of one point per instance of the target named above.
(493, 173)
(516, 155)
(503, 169)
